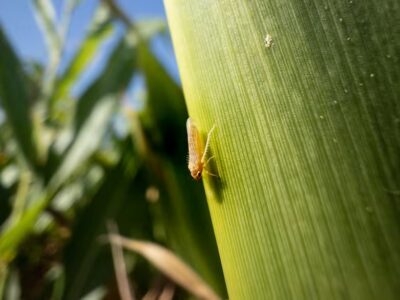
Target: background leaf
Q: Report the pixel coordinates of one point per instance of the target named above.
(169, 264)
(99, 30)
(117, 72)
(46, 17)
(12, 236)
(15, 102)
(87, 140)
(87, 261)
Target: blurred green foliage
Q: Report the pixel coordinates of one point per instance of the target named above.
(66, 167)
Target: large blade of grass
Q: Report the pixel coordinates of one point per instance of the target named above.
(306, 142)
(14, 100)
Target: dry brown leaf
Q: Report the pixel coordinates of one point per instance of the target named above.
(120, 267)
(168, 292)
(170, 265)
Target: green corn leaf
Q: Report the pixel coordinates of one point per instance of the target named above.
(118, 70)
(46, 17)
(114, 79)
(86, 142)
(15, 101)
(14, 235)
(77, 155)
(99, 104)
(305, 99)
(166, 105)
(99, 31)
(88, 262)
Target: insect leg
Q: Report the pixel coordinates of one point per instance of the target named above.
(205, 164)
(211, 174)
(203, 158)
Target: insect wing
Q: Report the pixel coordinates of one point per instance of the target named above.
(194, 144)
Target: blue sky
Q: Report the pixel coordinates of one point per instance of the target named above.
(18, 21)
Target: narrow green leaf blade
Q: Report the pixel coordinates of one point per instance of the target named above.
(166, 104)
(16, 233)
(88, 262)
(118, 70)
(46, 17)
(81, 150)
(86, 142)
(15, 101)
(113, 80)
(100, 29)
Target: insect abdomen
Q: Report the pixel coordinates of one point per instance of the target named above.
(195, 148)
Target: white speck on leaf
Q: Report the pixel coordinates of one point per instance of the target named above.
(268, 42)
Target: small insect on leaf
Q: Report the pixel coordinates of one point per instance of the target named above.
(197, 154)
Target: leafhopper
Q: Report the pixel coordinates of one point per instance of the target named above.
(197, 154)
